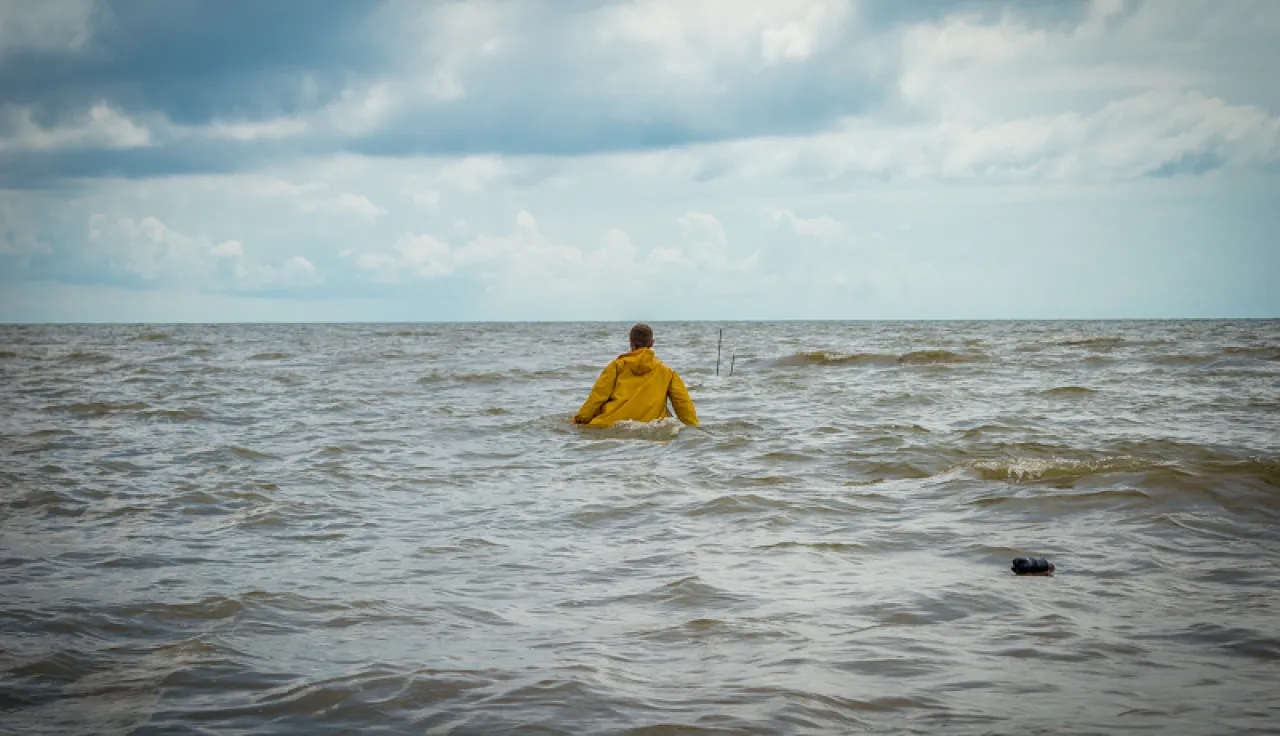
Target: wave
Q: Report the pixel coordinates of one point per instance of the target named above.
(918, 357)
(1265, 352)
(1183, 359)
(826, 358)
(269, 356)
(691, 591)
(174, 415)
(840, 547)
(1160, 471)
(463, 378)
(1093, 342)
(480, 377)
(98, 408)
(1068, 391)
(87, 357)
(407, 333)
(248, 454)
(940, 356)
(909, 428)
(984, 429)
(1058, 468)
(662, 430)
(1265, 469)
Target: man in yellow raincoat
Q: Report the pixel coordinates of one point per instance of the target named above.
(636, 387)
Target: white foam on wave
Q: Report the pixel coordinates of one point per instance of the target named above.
(1027, 468)
(661, 430)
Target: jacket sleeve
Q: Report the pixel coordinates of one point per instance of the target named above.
(680, 400)
(599, 394)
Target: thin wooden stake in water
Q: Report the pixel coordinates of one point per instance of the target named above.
(731, 360)
(718, 352)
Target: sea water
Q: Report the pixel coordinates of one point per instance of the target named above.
(315, 529)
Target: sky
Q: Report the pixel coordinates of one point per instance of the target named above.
(351, 160)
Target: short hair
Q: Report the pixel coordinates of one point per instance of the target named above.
(641, 336)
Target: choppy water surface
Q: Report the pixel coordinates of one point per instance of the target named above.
(393, 528)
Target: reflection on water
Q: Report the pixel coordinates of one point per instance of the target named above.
(331, 528)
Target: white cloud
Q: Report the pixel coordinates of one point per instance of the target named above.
(309, 197)
(253, 131)
(427, 199)
(688, 39)
(360, 109)
(798, 39)
(103, 127)
(412, 256)
(525, 263)
(822, 227)
(228, 249)
(704, 236)
(355, 204)
(473, 173)
(273, 188)
(157, 253)
(294, 272)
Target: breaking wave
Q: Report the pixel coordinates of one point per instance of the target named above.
(662, 430)
(1058, 468)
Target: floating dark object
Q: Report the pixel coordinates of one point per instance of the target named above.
(1032, 566)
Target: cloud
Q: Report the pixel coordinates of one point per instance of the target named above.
(355, 204)
(1123, 140)
(101, 127)
(473, 173)
(412, 256)
(525, 263)
(427, 199)
(19, 234)
(691, 39)
(291, 79)
(157, 254)
(296, 271)
(274, 188)
(488, 85)
(310, 197)
(192, 62)
(823, 227)
(51, 26)
(253, 131)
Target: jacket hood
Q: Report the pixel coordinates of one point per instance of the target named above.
(639, 361)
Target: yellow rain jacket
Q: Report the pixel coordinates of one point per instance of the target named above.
(636, 386)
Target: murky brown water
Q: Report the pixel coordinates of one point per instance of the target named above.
(361, 528)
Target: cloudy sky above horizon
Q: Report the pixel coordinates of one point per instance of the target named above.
(329, 160)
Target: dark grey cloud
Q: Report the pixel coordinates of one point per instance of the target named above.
(197, 60)
(55, 169)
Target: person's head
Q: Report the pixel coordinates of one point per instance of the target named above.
(641, 336)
